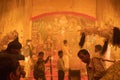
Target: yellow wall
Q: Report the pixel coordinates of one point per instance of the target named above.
(82, 6)
(108, 12)
(15, 15)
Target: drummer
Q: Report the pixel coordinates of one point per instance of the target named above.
(94, 66)
(113, 72)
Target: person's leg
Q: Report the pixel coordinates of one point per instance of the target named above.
(40, 79)
(69, 76)
(61, 75)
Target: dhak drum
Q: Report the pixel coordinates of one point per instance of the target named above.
(113, 72)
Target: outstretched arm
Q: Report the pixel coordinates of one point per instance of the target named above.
(47, 59)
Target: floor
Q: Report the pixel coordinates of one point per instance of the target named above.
(54, 76)
(54, 73)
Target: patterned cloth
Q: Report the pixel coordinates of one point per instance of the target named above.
(95, 69)
(113, 72)
(39, 70)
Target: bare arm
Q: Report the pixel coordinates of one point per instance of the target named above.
(47, 59)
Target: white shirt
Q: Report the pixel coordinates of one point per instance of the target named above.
(60, 64)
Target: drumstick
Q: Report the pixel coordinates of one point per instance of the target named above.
(109, 60)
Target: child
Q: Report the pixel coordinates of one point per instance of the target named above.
(39, 68)
(60, 66)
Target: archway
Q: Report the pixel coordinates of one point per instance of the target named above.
(50, 29)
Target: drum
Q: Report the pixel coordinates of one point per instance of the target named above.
(113, 72)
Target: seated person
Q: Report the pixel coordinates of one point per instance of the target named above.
(9, 67)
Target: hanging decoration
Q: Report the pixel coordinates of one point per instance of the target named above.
(116, 36)
(82, 40)
(105, 46)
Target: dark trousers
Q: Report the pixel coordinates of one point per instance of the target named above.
(41, 78)
(61, 75)
(74, 75)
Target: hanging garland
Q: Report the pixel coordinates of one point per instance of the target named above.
(105, 46)
(111, 33)
(82, 40)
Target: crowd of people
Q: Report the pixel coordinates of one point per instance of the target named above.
(12, 63)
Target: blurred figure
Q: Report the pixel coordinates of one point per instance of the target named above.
(103, 52)
(39, 67)
(66, 54)
(98, 50)
(94, 66)
(27, 52)
(27, 49)
(66, 57)
(9, 67)
(14, 49)
(60, 66)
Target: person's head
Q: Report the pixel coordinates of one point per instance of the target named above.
(98, 48)
(14, 46)
(9, 67)
(64, 42)
(41, 55)
(60, 53)
(84, 56)
(28, 42)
